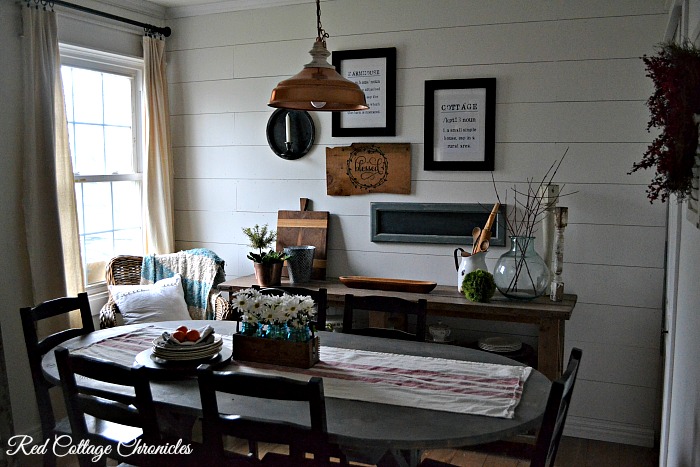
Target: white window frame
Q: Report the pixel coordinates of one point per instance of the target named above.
(133, 67)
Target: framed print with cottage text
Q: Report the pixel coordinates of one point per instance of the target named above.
(460, 124)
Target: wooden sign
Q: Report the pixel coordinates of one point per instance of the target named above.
(368, 168)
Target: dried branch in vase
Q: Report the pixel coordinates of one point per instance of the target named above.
(521, 273)
(530, 202)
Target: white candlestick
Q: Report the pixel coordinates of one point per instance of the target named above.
(288, 128)
(561, 220)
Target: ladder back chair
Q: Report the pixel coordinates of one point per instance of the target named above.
(391, 305)
(550, 432)
(552, 428)
(301, 439)
(37, 348)
(123, 409)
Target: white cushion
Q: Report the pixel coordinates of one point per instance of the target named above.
(162, 301)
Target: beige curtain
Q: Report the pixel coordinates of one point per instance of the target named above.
(48, 192)
(65, 189)
(693, 212)
(158, 168)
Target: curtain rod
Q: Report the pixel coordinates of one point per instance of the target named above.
(149, 28)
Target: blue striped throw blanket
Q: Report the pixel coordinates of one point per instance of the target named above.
(201, 270)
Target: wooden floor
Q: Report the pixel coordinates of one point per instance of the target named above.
(573, 452)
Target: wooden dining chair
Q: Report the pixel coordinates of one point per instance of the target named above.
(300, 438)
(37, 348)
(392, 305)
(123, 410)
(320, 298)
(550, 432)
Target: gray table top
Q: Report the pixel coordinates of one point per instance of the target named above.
(354, 424)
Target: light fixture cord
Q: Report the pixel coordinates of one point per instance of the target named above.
(322, 34)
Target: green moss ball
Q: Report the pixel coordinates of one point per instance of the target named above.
(478, 286)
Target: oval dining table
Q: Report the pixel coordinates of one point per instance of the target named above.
(365, 431)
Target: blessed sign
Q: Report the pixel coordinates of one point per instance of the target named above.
(368, 168)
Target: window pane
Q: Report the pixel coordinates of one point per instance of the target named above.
(119, 150)
(117, 102)
(95, 272)
(127, 209)
(101, 115)
(87, 96)
(98, 207)
(128, 242)
(89, 150)
(98, 250)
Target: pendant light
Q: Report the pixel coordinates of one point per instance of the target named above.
(318, 86)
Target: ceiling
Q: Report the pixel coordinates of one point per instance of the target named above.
(227, 4)
(180, 8)
(175, 3)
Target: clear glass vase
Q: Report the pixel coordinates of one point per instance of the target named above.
(521, 273)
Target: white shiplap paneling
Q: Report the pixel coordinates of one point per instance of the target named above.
(569, 76)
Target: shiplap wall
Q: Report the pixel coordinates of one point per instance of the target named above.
(569, 75)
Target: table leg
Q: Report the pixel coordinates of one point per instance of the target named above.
(400, 458)
(175, 425)
(550, 347)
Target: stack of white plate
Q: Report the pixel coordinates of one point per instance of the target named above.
(500, 344)
(183, 352)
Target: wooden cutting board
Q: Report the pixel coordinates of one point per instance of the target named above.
(304, 228)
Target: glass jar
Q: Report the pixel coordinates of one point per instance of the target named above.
(249, 329)
(521, 273)
(277, 331)
(299, 334)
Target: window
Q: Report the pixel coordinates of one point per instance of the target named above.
(103, 107)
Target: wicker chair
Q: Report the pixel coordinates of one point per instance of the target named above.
(126, 270)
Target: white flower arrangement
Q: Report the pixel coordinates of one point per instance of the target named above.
(296, 311)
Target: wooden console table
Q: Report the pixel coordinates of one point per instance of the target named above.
(444, 300)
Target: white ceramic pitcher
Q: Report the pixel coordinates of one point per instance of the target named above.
(468, 264)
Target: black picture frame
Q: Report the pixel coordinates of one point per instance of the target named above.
(374, 70)
(460, 124)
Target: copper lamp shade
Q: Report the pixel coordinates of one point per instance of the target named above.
(318, 86)
(312, 87)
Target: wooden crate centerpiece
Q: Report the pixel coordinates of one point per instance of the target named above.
(274, 329)
(276, 351)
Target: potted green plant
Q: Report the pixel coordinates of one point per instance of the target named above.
(268, 265)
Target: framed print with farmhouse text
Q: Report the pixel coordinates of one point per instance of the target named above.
(374, 70)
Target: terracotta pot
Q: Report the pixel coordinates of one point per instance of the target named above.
(268, 275)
